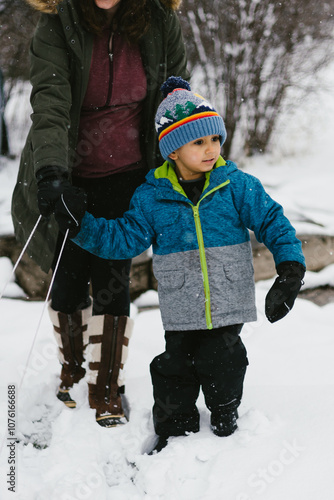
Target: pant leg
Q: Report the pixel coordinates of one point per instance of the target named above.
(110, 282)
(220, 362)
(175, 386)
(110, 286)
(70, 290)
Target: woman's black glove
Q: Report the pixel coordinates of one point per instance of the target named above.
(70, 209)
(51, 183)
(283, 293)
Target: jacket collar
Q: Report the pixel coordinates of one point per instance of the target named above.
(167, 185)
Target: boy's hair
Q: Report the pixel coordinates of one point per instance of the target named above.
(184, 116)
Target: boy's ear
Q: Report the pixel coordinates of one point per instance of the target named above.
(173, 156)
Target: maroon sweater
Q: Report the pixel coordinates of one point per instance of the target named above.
(109, 130)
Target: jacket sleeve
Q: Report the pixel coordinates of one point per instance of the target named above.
(51, 97)
(263, 215)
(176, 55)
(121, 238)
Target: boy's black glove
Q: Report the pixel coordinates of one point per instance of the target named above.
(70, 209)
(283, 293)
(51, 183)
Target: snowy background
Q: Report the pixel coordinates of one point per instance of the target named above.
(284, 446)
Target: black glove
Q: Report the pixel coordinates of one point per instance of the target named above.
(70, 209)
(51, 183)
(283, 293)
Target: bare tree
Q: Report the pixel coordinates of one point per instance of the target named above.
(247, 53)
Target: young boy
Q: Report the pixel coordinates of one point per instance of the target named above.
(196, 210)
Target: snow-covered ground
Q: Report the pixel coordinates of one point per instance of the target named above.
(284, 446)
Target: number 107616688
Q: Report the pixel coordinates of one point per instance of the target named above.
(11, 410)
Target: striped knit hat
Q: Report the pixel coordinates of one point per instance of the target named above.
(183, 117)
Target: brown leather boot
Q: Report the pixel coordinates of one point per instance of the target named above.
(107, 353)
(70, 331)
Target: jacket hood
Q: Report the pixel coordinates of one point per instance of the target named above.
(50, 6)
(45, 6)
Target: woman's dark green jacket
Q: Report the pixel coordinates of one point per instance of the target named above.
(60, 61)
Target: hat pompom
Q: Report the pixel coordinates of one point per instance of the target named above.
(172, 83)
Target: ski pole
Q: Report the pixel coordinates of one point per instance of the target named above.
(20, 256)
(40, 320)
(44, 306)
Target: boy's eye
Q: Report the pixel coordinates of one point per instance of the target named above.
(216, 138)
(198, 142)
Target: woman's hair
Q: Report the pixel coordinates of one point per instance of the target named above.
(132, 17)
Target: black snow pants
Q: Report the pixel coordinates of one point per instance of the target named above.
(214, 360)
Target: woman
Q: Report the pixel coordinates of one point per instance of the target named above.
(96, 70)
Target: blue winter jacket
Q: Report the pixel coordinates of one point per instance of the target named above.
(202, 256)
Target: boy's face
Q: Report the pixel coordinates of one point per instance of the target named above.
(196, 157)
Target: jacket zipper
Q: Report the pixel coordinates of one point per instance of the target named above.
(204, 267)
(111, 360)
(111, 67)
(202, 256)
